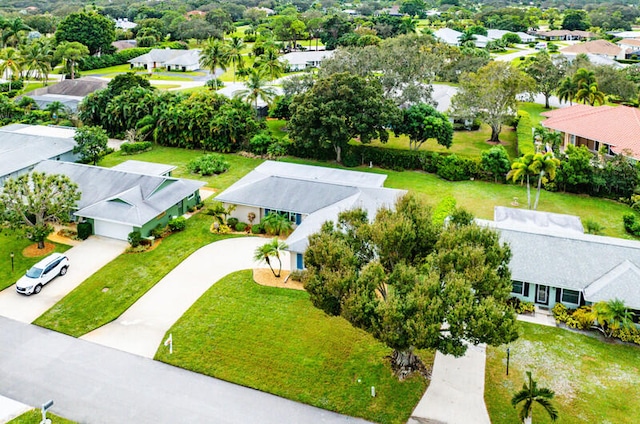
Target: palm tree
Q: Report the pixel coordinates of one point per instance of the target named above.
(408, 25)
(584, 78)
(214, 55)
(11, 63)
(611, 316)
(256, 89)
(276, 224)
(270, 64)
(57, 110)
(12, 31)
(521, 169)
(235, 54)
(37, 56)
(272, 249)
(71, 53)
(531, 394)
(567, 90)
(543, 165)
(590, 94)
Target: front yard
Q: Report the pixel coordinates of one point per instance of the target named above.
(595, 381)
(274, 340)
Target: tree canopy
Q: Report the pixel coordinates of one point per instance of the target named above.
(412, 283)
(95, 31)
(422, 122)
(91, 144)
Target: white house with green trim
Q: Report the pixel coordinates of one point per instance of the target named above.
(137, 197)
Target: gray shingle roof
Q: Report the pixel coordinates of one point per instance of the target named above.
(119, 196)
(141, 167)
(622, 282)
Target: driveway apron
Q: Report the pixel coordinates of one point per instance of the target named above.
(141, 328)
(84, 260)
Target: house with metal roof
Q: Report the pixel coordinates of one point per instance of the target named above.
(298, 61)
(22, 147)
(171, 59)
(553, 261)
(307, 195)
(614, 128)
(118, 202)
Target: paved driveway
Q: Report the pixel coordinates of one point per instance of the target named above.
(84, 260)
(141, 328)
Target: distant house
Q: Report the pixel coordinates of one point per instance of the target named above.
(631, 46)
(299, 61)
(596, 59)
(565, 35)
(117, 202)
(625, 34)
(68, 92)
(22, 147)
(124, 23)
(616, 129)
(497, 34)
(553, 261)
(452, 37)
(307, 195)
(599, 47)
(124, 44)
(171, 59)
(391, 11)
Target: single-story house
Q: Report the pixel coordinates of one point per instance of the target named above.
(298, 61)
(599, 47)
(625, 34)
(307, 195)
(68, 92)
(125, 23)
(497, 34)
(564, 34)
(22, 147)
(452, 37)
(617, 129)
(391, 11)
(554, 261)
(596, 59)
(118, 202)
(171, 59)
(630, 46)
(124, 44)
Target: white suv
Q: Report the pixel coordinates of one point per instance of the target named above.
(41, 273)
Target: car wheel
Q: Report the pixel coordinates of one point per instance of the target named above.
(63, 270)
(37, 289)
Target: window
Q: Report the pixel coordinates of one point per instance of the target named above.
(570, 296)
(572, 139)
(291, 216)
(517, 287)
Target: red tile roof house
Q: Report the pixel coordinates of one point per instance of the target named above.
(599, 47)
(617, 129)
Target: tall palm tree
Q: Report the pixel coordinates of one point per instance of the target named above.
(543, 165)
(12, 31)
(272, 249)
(256, 88)
(10, 63)
(37, 57)
(270, 64)
(531, 394)
(584, 78)
(214, 55)
(567, 90)
(235, 47)
(590, 94)
(520, 170)
(57, 110)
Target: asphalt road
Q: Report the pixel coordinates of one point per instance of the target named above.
(90, 383)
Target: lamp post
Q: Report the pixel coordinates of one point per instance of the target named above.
(508, 361)
(12, 262)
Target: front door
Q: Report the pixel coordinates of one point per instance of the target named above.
(542, 294)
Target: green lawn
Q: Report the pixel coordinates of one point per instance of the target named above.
(34, 416)
(109, 292)
(276, 127)
(274, 340)
(110, 70)
(534, 110)
(595, 381)
(16, 243)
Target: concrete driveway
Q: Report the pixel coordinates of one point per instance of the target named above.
(84, 260)
(141, 328)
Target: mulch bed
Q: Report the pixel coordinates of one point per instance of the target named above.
(32, 251)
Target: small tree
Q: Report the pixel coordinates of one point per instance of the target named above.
(71, 53)
(272, 249)
(91, 144)
(422, 122)
(531, 394)
(496, 162)
(33, 200)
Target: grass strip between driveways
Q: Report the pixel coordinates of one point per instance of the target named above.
(34, 416)
(595, 381)
(109, 292)
(276, 341)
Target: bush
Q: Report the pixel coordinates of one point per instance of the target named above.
(592, 227)
(208, 164)
(278, 147)
(526, 308)
(446, 207)
(158, 232)
(257, 229)
(628, 334)
(16, 86)
(259, 143)
(581, 318)
(297, 275)
(104, 61)
(453, 168)
(232, 222)
(631, 224)
(84, 230)
(134, 238)
(241, 226)
(177, 224)
(136, 147)
(560, 312)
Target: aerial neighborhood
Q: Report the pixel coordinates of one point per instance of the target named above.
(319, 212)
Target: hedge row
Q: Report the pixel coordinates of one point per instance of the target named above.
(115, 59)
(137, 147)
(524, 133)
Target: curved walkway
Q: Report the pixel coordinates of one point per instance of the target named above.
(141, 328)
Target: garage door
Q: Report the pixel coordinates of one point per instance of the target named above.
(112, 229)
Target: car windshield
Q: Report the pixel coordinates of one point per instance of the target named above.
(34, 272)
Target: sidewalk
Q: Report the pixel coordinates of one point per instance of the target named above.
(9, 409)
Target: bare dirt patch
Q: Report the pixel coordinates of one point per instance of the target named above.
(32, 251)
(265, 277)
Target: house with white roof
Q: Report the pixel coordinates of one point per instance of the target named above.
(452, 37)
(22, 147)
(553, 261)
(308, 196)
(135, 196)
(299, 61)
(171, 59)
(497, 34)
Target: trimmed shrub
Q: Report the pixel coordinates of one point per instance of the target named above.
(104, 61)
(257, 229)
(526, 307)
(260, 142)
(523, 132)
(560, 312)
(158, 232)
(134, 238)
(232, 222)
(135, 147)
(208, 164)
(445, 208)
(177, 224)
(297, 275)
(84, 230)
(16, 86)
(631, 224)
(628, 334)
(241, 226)
(453, 168)
(581, 318)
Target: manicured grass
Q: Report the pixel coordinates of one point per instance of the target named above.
(274, 340)
(34, 416)
(276, 127)
(126, 279)
(595, 381)
(109, 70)
(534, 110)
(14, 242)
